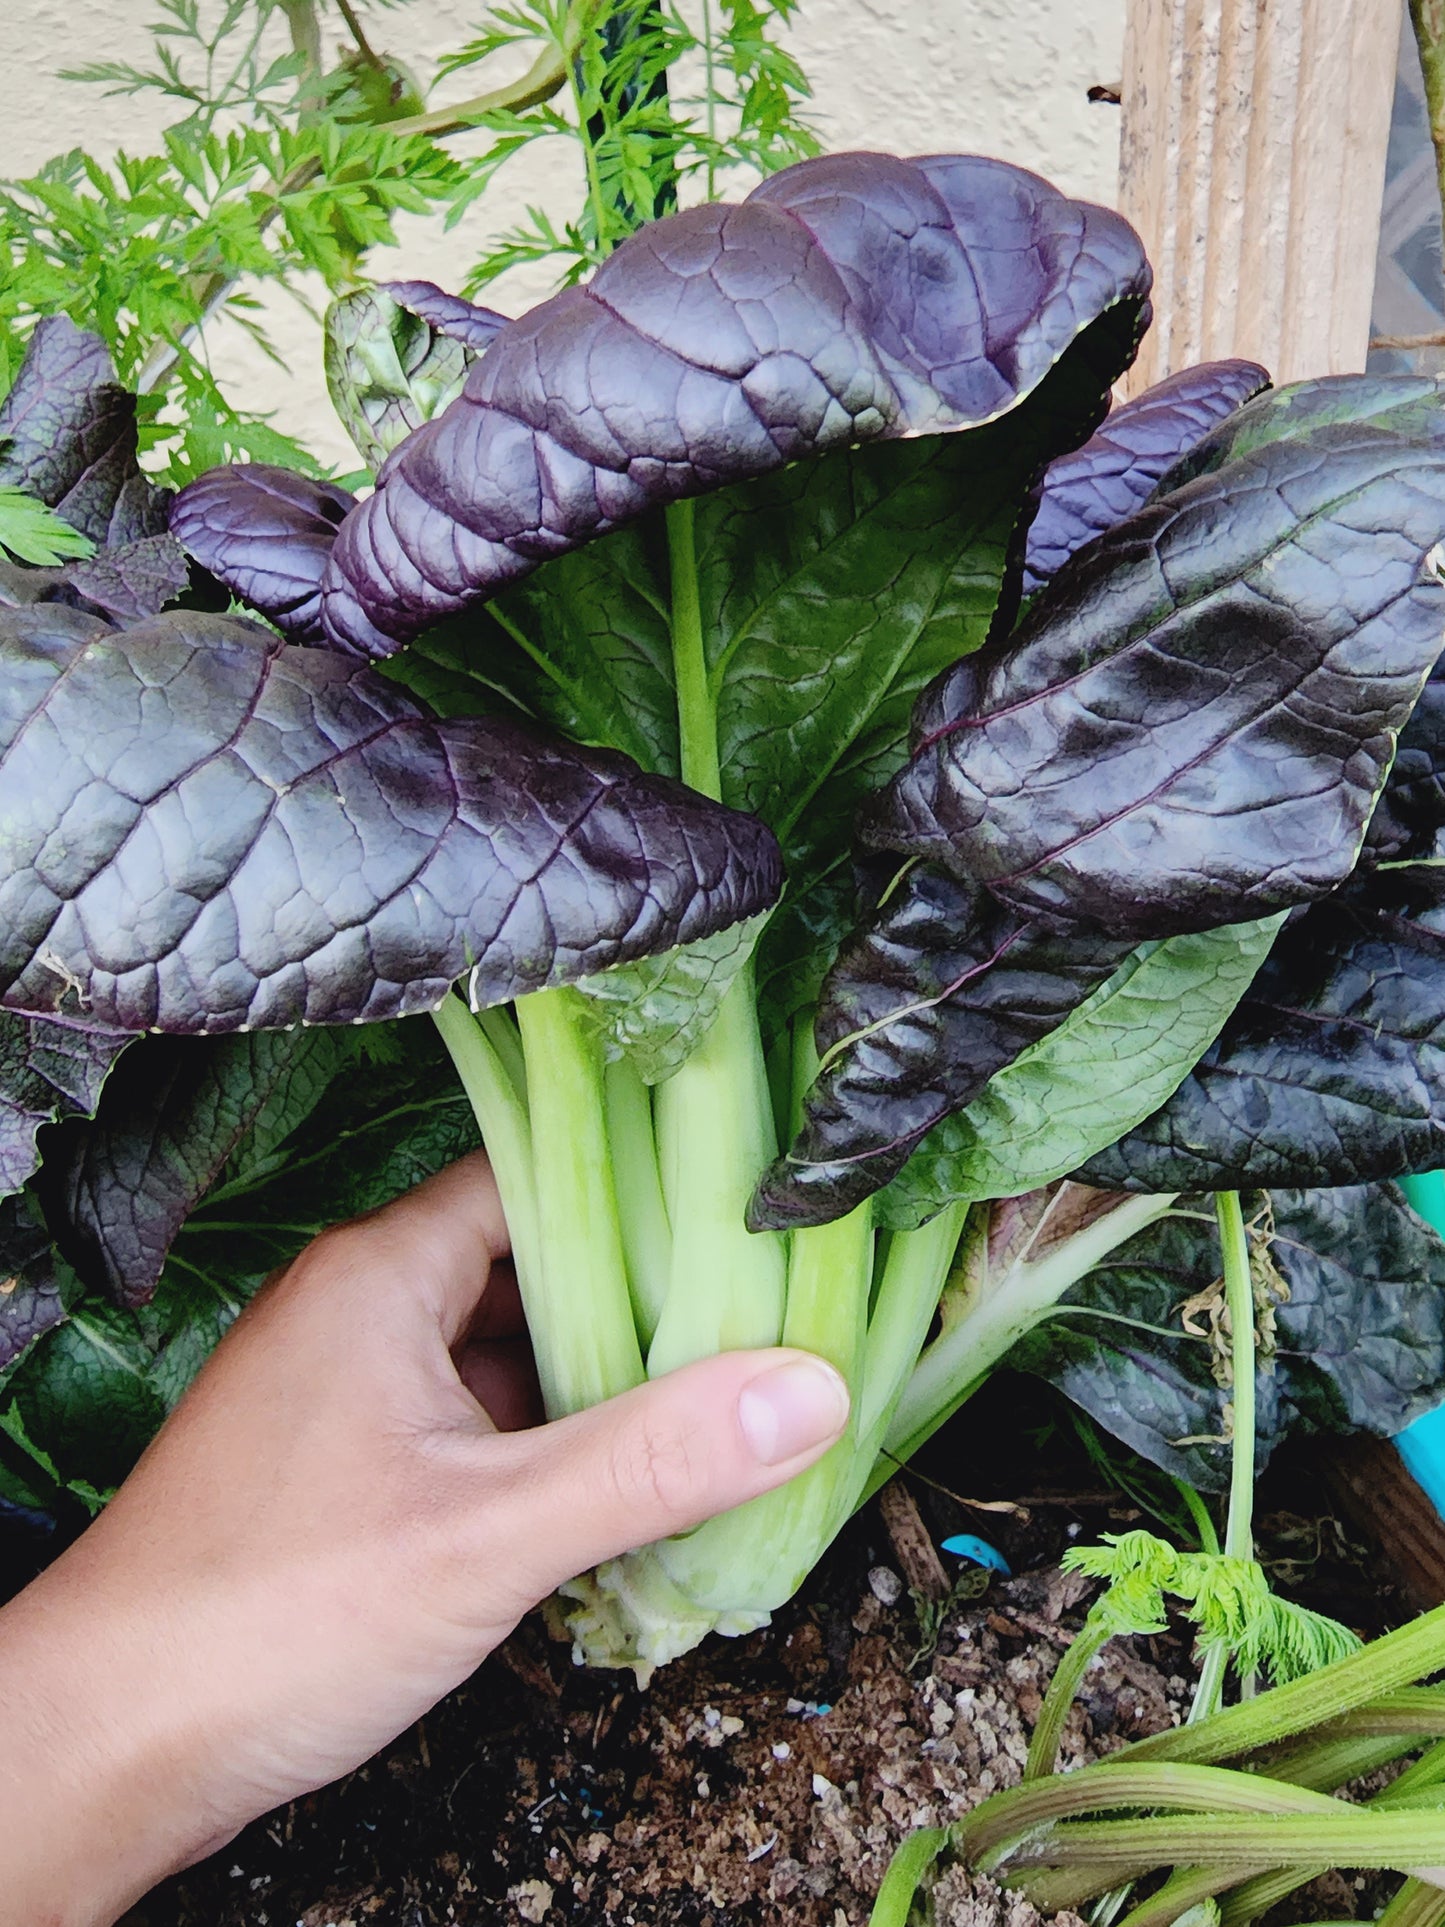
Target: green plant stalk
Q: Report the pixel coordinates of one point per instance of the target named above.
(1074, 1663)
(696, 708)
(637, 1182)
(1331, 1764)
(1388, 1663)
(583, 1333)
(1239, 1298)
(1348, 1836)
(727, 1286)
(500, 1107)
(1414, 1904)
(1427, 17)
(1006, 1823)
(907, 1871)
(1180, 1892)
(1322, 1766)
(958, 1361)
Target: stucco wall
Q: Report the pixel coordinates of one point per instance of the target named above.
(1003, 77)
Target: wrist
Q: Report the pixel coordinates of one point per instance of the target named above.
(103, 1774)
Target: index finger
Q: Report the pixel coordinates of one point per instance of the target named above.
(441, 1240)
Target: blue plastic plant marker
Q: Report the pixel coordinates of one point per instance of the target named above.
(964, 1546)
(1422, 1444)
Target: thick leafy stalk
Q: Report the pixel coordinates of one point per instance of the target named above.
(642, 1210)
(587, 1349)
(913, 1278)
(963, 1355)
(1398, 1658)
(993, 1830)
(715, 1133)
(489, 1076)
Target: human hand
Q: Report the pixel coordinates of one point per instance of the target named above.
(329, 1534)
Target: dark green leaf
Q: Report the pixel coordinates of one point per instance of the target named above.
(1361, 1340)
(1133, 1037)
(1331, 1070)
(35, 1284)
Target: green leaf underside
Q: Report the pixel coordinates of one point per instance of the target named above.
(655, 1011)
(1123, 1051)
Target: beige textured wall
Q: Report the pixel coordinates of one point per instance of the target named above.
(1003, 77)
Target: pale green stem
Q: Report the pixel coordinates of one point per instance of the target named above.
(1239, 1298)
(583, 1332)
(714, 1122)
(913, 1278)
(646, 1234)
(964, 1355)
(501, 1115)
(696, 716)
(1074, 1663)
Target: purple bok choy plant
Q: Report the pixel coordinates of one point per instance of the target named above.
(787, 523)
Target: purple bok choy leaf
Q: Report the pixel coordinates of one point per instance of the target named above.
(265, 534)
(47, 1071)
(847, 300)
(213, 831)
(1332, 1068)
(68, 437)
(1188, 732)
(1090, 490)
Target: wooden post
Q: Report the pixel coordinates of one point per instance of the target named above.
(1253, 165)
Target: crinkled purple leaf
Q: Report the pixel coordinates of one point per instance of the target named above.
(1361, 1338)
(136, 579)
(265, 534)
(447, 314)
(1094, 488)
(47, 1071)
(1410, 406)
(211, 831)
(1192, 725)
(1331, 1070)
(34, 1281)
(68, 437)
(1410, 816)
(118, 1189)
(848, 299)
(940, 992)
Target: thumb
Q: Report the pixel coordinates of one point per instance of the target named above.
(664, 1457)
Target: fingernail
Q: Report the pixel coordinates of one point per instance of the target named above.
(792, 1408)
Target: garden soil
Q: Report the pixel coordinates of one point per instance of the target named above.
(766, 1781)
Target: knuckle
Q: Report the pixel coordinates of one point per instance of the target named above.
(655, 1466)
